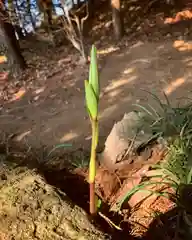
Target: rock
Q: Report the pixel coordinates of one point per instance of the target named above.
(126, 137)
(32, 209)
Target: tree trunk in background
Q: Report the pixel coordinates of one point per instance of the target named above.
(8, 33)
(91, 8)
(117, 19)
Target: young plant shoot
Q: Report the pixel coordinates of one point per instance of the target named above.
(92, 101)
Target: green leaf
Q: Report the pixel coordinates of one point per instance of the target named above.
(140, 187)
(91, 101)
(145, 110)
(59, 146)
(93, 72)
(99, 203)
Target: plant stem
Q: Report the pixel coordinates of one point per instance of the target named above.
(92, 206)
(92, 168)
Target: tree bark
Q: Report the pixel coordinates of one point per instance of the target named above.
(8, 32)
(91, 5)
(117, 19)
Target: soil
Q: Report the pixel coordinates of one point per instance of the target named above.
(45, 107)
(42, 107)
(143, 216)
(48, 201)
(39, 202)
(30, 208)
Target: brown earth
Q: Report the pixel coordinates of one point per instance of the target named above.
(46, 113)
(46, 107)
(30, 208)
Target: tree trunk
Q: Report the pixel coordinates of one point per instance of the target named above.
(117, 19)
(8, 32)
(91, 5)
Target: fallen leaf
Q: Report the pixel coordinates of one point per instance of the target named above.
(19, 94)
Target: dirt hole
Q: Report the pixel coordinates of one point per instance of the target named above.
(77, 189)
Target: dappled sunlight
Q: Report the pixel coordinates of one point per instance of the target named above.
(126, 69)
(48, 130)
(188, 61)
(138, 44)
(120, 83)
(128, 99)
(107, 50)
(4, 76)
(68, 137)
(129, 70)
(21, 136)
(119, 88)
(189, 64)
(174, 85)
(37, 93)
(182, 46)
(108, 111)
(70, 84)
(142, 60)
(161, 47)
(114, 93)
(39, 90)
(102, 25)
(180, 16)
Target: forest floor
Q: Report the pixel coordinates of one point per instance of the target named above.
(45, 107)
(41, 108)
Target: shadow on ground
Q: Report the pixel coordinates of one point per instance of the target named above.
(49, 108)
(167, 226)
(21, 171)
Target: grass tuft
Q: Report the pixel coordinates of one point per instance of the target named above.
(173, 126)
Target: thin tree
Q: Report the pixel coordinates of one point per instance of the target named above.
(91, 6)
(73, 24)
(117, 19)
(7, 32)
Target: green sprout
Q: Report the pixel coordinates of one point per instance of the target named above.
(92, 102)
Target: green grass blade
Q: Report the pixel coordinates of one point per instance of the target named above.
(145, 110)
(155, 112)
(155, 98)
(63, 145)
(139, 187)
(167, 100)
(183, 130)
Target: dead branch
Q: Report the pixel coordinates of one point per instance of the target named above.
(73, 25)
